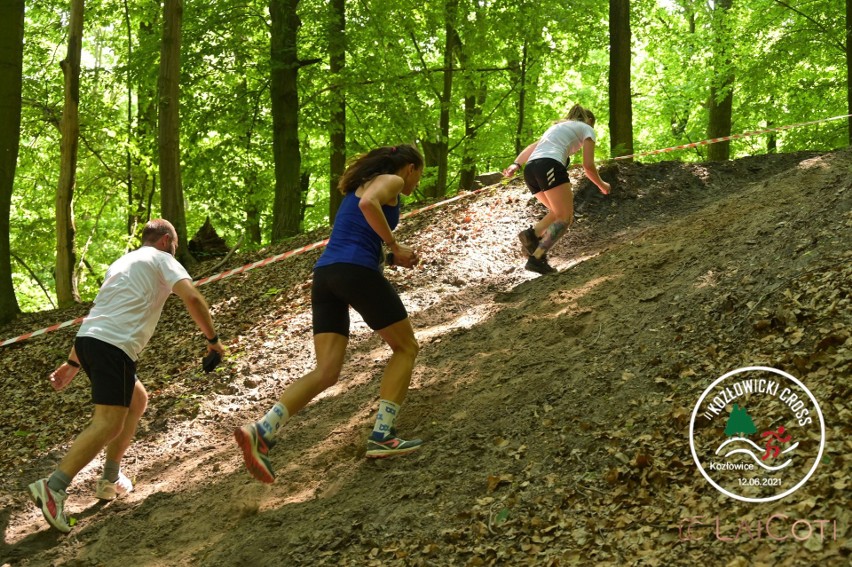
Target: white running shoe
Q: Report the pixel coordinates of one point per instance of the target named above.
(111, 490)
(52, 504)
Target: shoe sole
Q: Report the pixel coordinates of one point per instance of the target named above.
(36, 498)
(388, 453)
(257, 470)
(542, 273)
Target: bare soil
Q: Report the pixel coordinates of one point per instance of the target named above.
(555, 409)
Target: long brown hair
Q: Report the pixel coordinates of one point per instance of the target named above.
(387, 159)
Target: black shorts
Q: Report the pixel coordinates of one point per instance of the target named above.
(111, 372)
(545, 173)
(339, 286)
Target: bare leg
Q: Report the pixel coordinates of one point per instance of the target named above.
(330, 350)
(107, 423)
(117, 447)
(560, 202)
(397, 375)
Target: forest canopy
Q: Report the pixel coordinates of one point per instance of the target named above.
(469, 82)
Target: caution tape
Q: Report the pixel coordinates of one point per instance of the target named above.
(321, 243)
(246, 268)
(733, 137)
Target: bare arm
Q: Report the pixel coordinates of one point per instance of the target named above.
(198, 309)
(63, 375)
(589, 166)
(384, 190)
(522, 158)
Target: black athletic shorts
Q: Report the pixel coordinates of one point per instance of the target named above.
(338, 286)
(111, 372)
(545, 173)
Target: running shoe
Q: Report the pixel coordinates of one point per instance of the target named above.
(255, 452)
(107, 490)
(539, 266)
(529, 240)
(390, 446)
(52, 504)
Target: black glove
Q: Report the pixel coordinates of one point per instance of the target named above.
(211, 361)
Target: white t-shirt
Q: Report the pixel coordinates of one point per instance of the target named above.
(131, 299)
(563, 140)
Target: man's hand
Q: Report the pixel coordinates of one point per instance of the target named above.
(62, 376)
(217, 346)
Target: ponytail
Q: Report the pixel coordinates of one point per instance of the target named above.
(581, 114)
(387, 159)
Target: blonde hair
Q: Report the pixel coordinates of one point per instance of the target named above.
(581, 114)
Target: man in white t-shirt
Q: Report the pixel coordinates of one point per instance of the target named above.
(122, 320)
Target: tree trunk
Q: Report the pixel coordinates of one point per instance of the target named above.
(171, 194)
(722, 90)
(849, 65)
(11, 69)
(475, 89)
(145, 185)
(287, 207)
(69, 126)
(620, 100)
(337, 63)
(441, 145)
(520, 143)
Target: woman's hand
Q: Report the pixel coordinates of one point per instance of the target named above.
(511, 170)
(404, 256)
(605, 187)
(62, 376)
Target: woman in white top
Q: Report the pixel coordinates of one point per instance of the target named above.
(546, 175)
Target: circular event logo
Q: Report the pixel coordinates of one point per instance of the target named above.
(757, 434)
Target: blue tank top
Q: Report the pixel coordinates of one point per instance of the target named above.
(353, 240)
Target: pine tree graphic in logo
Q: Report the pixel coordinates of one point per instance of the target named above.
(765, 452)
(739, 423)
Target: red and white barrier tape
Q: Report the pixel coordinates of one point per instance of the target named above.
(733, 137)
(246, 268)
(320, 244)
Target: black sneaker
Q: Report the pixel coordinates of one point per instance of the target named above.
(539, 266)
(529, 240)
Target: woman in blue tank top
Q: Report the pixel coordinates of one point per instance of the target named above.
(349, 274)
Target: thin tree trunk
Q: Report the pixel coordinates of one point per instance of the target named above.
(439, 188)
(171, 194)
(620, 100)
(849, 65)
(132, 219)
(474, 98)
(287, 206)
(69, 126)
(722, 90)
(520, 143)
(145, 186)
(337, 134)
(11, 68)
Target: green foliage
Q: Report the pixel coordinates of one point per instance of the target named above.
(788, 64)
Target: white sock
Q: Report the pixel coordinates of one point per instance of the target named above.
(273, 420)
(385, 418)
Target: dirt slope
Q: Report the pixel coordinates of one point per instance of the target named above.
(555, 409)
